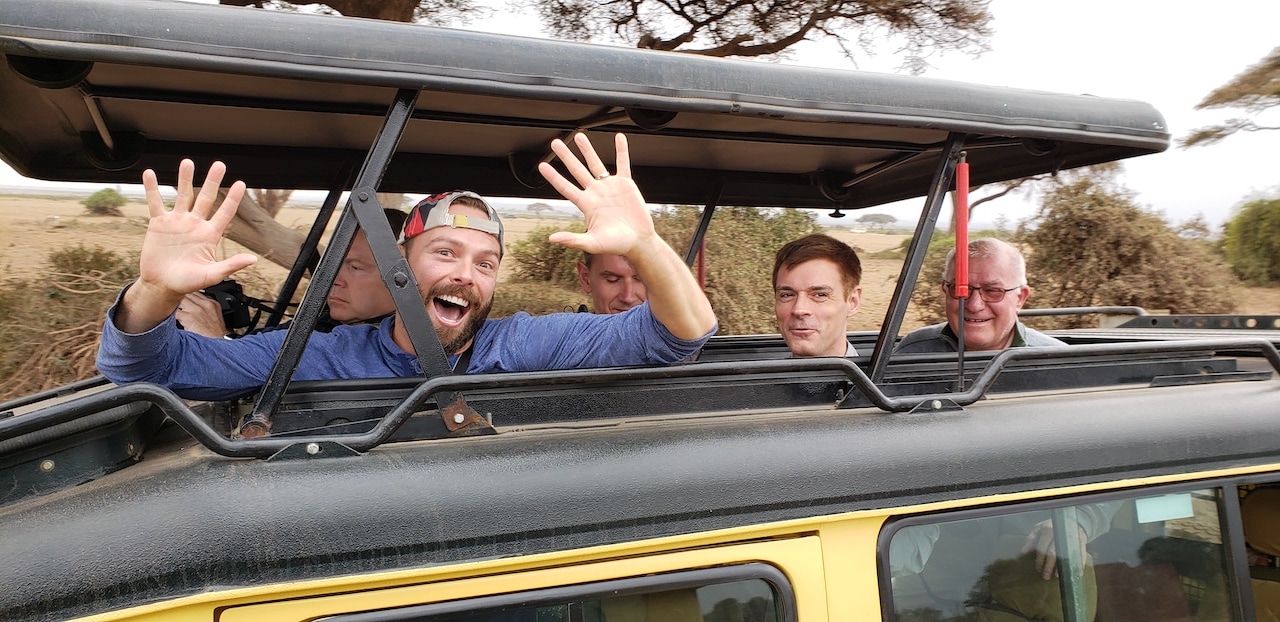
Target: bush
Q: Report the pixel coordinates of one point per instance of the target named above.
(1252, 242)
(538, 260)
(105, 202)
(50, 325)
(1091, 245)
(739, 261)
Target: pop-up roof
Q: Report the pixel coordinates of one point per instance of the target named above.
(287, 100)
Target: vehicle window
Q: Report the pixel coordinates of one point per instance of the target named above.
(1260, 514)
(740, 601)
(744, 600)
(1144, 558)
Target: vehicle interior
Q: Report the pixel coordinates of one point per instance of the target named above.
(95, 91)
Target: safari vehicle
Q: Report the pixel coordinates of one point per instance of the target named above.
(744, 486)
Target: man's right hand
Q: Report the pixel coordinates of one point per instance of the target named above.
(201, 315)
(178, 251)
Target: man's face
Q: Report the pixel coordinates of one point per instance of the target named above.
(612, 284)
(988, 325)
(813, 309)
(358, 293)
(457, 272)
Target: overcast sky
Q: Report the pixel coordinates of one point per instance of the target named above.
(1160, 52)
(1170, 54)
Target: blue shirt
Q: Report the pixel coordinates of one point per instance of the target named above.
(197, 367)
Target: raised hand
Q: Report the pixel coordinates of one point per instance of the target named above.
(618, 220)
(618, 223)
(178, 251)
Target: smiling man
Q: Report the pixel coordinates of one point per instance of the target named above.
(997, 290)
(453, 245)
(815, 291)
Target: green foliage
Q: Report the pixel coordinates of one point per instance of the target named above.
(1091, 245)
(105, 202)
(537, 260)
(741, 245)
(1252, 242)
(49, 325)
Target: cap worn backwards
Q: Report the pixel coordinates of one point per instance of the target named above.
(433, 212)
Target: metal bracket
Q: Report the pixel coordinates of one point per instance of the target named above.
(313, 449)
(936, 405)
(462, 420)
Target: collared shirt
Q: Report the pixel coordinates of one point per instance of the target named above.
(940, 338)
(197, 367)
(848, 351)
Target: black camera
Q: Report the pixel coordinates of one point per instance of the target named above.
(235, 304)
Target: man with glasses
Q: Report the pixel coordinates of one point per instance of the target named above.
(997, 291)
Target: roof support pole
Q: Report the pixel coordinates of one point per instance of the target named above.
(700, 234)
(942, 177)
(362, 211)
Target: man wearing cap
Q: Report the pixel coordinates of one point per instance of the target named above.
(453, 246)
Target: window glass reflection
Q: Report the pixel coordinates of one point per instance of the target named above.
(1144, 558)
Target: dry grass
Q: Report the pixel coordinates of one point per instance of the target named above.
(50, 324)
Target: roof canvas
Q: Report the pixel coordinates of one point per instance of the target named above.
(288, 100)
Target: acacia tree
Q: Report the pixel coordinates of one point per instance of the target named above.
(769, 27)
(877, 220)
(1254, 91)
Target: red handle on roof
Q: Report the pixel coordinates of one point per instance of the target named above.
(962, 227)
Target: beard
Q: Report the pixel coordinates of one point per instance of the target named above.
(454, 339)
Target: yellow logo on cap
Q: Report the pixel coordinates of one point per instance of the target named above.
(460, 220)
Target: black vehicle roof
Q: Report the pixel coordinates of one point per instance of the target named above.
(288, 99)
(404, 506)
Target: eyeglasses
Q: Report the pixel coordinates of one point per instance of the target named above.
(988, 294)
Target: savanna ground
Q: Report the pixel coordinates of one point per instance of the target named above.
(32, 226)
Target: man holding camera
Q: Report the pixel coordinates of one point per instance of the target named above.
(358, 294)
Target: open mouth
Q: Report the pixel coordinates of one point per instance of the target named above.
(450, 309)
